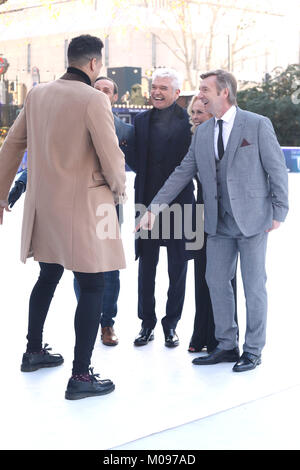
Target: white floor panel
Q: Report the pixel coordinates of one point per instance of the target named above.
(270, 423)
(156, 388)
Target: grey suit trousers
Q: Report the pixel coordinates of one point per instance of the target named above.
(222, 253)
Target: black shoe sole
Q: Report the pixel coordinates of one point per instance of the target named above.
(172, 345)
(247, 368)
(211, 363)
(144, 342)
(80, 395)
(33, 368)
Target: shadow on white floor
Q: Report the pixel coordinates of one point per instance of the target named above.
(161, 400)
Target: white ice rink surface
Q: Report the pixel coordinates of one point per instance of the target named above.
(161, 400)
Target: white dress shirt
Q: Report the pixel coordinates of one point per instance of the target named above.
(228, 120)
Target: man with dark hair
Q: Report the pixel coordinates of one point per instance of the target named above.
(115, 89)
(124, 131)
(125, 134)
(83, 49)
(75, 165)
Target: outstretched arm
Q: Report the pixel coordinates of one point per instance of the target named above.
(11, 155)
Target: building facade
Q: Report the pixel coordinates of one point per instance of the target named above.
(34, 36)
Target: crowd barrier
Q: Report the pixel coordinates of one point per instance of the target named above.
(292, 158)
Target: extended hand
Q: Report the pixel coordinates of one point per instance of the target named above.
(146, 222)
(3, 205)
(275, 225)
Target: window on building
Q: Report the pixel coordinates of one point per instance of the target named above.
(66, 44)
(28, 58)
(152, 3)
(106, 52)
(159, 3)
(153, 50)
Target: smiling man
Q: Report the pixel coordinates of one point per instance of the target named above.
(125, 134)
(162, 137)
(75, 165)
(245, 190)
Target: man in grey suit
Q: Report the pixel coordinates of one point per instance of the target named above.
(245, 190)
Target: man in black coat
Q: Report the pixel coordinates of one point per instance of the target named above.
(162, 139)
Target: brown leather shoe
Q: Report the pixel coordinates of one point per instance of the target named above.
(108, 336)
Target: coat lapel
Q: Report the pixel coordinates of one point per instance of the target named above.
(144, 128)
(236, 135)
(211, 144)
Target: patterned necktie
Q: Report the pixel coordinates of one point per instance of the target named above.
(220, 140)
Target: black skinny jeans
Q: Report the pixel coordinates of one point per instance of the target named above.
(87, 313)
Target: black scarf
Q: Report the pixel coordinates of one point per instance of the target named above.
(79, 72)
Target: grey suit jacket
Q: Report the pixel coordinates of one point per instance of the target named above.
(257, 178)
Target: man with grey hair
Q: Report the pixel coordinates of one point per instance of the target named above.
(168, 73)
(162, 138)
(245, 190)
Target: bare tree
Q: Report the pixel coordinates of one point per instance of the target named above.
(192, 30)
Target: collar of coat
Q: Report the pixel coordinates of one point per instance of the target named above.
(173, 109)
(76, 74)
(177, 111)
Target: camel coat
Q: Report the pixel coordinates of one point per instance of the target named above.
(76, 172)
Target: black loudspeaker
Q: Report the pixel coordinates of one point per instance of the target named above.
(125, 78)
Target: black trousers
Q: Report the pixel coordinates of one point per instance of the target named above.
(87, 313)
(146, 285)
(204, 326)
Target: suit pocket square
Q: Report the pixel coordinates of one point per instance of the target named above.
(245, 143)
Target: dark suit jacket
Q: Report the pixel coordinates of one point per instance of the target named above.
(125, 134)
(177, 146)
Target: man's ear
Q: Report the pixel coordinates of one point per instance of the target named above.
(226, 92)
(92, 64)
(115, 98)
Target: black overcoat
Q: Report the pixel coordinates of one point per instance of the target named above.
(176, 148)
